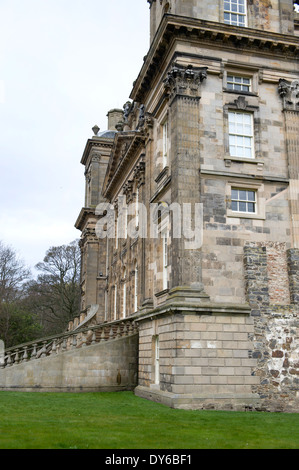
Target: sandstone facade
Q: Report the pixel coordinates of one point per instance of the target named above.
(191, 218)
(211, 125)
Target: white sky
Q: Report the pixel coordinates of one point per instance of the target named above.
(63, 65)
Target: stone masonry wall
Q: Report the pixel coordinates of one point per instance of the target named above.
(204, 361)
(106, 366)
(276, 323)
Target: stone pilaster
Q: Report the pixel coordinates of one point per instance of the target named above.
(183, 86)
(289, 91)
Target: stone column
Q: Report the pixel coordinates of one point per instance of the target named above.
(183, 85)
(289, 91)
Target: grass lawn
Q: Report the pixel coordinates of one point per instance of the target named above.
(124, 421)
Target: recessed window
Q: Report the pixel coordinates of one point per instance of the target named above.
(240, 134)
(136, 288)
(165, 258)
(243, 200)
(235, 12)
(165, 143)
(238, 83)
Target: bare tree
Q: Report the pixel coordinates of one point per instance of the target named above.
(56, 292)
(13, 273)
(17, 323)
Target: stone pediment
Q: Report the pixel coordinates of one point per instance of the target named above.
(126, 144)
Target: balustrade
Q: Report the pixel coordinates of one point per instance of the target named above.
(68, 341)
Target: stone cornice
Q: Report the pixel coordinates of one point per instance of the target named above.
(96, 142)
(126, 146)
(85, 213)
(230, 37)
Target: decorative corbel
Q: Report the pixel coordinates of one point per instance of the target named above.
(289, 92)
(184, 80)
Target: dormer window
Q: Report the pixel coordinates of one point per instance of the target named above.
(235, 12)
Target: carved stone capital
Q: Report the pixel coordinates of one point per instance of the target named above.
(128, 190)
(184, 81)
(89, 236)
(139, 173)
(289, 92)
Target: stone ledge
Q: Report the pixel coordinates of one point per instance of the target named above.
(237, 402)
(193, 306)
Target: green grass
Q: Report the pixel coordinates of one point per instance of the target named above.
(124, 421)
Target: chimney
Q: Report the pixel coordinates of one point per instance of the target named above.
(114, 117)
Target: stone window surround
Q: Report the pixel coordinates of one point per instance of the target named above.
(239, 118)
(260, 200)
(242, 71)
(254, 110)
(164, 117)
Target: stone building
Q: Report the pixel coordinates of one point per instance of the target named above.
(191, 218)
(190, 225)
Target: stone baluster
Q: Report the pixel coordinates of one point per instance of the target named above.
(54, 347)
(33, 354)
(103, 334)
(118, 335)
(44, 349)
(25, 354)
(83, 340)
(74, 342)
(9, 360)
(63, 348)
(94, 337)
(17, 357)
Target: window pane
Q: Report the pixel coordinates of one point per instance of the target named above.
(242, 206)
(251, 195)
(247, 153)
(235, 194)
(234, 206)
(242, 195)
(247, 142)
(251, 207)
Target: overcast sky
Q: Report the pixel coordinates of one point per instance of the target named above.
(63, 65)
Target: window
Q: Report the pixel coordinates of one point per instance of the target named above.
(136, 289)
(235, 12)
(243, 200)
(240, 134)
(165, 144)
(137, 207)
(157, 360)
(165, 259)
(238, 83)
(115, 301)
(124, 293)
